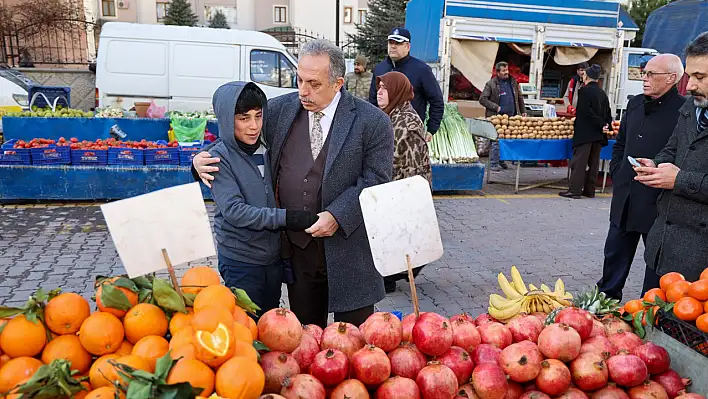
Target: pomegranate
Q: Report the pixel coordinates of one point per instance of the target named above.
(436, 381)
(598, 329)
(541, 316)
(654, 356)
(572, 393)
(371, 366)
(432, 334)
(350, 389)
(625, 341)
(610, 392)
(614, 325)
(384, 330)
(462, 316)
(579, 319)
(303, 386)
(484, 318)
(398, 387)
(521, 361)
(672, 382)
(407, 326)
(515, 390)
(330, 367)
(407, 361)
(589, 371)
(691, 396)
(465, 334)
(344, 337)
(559, 341)
(305, 352)
(495, 334)
(525, 327)
(534, 395)
(489, 381)
(459, 361)
(627, 370)
(599, 344)
(485, 353)
(554, 377)
(271, 396)
(315, 331)
(466, 391)
(277, 366)
(647, 390)
(280, 330)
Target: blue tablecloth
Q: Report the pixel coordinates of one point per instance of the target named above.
(543, 150)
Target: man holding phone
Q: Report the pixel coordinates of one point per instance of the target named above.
(677, 240)
(646, 127)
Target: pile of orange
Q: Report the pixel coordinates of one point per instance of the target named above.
(690, 299)
(212, 340)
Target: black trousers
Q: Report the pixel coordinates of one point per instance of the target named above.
(620, 248)
(584, 167)
(309, 294)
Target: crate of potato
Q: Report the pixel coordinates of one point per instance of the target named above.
(522, 127)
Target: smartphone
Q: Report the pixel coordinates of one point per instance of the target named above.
(634, 162)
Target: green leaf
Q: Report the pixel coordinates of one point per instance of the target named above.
(637, 321)
(143, 283)
(244, 301)
(125, 282)
(112, 297)
(145, 295)
(139, 390)
(164, 365)
(651, 317)
(260, 346)
(6, 312)
(166, 296)
(183, 390)
(41, 295)
(189, 298)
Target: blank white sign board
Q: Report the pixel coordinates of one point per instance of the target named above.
(400, 220)
(174, 218)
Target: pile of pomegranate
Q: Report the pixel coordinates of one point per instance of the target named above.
(433, 357)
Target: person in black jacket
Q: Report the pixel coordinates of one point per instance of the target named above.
(646, 127)
(426, 89)
(591, 123)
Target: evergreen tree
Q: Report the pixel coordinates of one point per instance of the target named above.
(219, 21)
(383, 16)
(179, 12)
(639, 11)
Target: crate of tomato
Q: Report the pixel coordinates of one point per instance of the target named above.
(88, 152)
(49, 152)
(15, 152)
(187, 151)
(162, 153)
(127, 152)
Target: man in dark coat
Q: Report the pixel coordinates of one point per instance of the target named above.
(591, 123)
(326, 146)
(646, 127)
(677, 242)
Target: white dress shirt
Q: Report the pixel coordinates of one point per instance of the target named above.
(328, 118)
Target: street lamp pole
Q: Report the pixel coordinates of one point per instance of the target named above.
(336, 25)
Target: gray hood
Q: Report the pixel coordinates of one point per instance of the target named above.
(224, 103)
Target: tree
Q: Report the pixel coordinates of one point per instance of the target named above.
(639, 11)
(179, 12)
(219, 21)
(383, 16)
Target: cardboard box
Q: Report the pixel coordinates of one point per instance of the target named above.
(471, 109)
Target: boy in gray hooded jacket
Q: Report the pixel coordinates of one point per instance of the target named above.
(247, 222)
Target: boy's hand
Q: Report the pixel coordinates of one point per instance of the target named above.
(201, 163)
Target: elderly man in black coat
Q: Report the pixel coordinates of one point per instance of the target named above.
(646, 127)
(593, 115)
(677, 242)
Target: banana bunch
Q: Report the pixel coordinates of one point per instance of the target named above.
(520, 299)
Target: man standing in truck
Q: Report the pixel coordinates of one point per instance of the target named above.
(576, 82)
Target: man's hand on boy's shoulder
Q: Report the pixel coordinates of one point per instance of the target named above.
(201, 163)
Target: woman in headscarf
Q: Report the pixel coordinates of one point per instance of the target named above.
(410, 157)
(394, 96)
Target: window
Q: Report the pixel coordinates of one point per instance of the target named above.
(280, 14)
(272, 69)
(108, 8)
(636, 64)
(348, 15)
(161, 10)
(362, 16)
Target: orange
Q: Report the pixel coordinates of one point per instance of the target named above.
(4, 359)
(242, 333)
(209, 317)
(133, 361)
(677, 290)
(151, 348)
(102, 333)
(688, 309)
(182, 338)
(702, 322)
(143, 320)
(198, 374)
(65, 313)
(126, 348)
(181, 320)
(705, 307)
(246, 350)
(130, 295)
(184, 352)
(253, 327)
(100, 370)
(22, 337)
(17, 370)
(68, 347)
(239, 378)
(215, 295)
(704, 274)
(83, 394)
(197, 278)
(633, 306)
(645, 315)
(699, 290)
(669, 278)
(105, 393)
(653, 293)
(215, 347)
(240, 316)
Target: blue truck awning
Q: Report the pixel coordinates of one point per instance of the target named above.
(670, 28)
(627, 21)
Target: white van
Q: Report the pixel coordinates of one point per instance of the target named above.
(181, 67)
(633, 62)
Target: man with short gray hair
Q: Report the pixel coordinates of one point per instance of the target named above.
(326, 146)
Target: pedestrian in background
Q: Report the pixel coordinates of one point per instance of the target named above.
(358, 82)
(646, 127)
(576, 82)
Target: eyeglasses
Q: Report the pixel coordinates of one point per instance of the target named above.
(651, 74)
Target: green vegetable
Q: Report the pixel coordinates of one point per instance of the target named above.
(453, 143)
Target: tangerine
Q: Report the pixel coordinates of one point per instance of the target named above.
(242, 333)
(653, 293)
(704, 274)
(100, 369)
(702, 322)
(102, 333)
(688, 309)
(699, 290)
(253, 327)
(4, 359)
(182, 338)
(184, 352)
(239, 378)
(198, 374)
(143, 320)
(22, 337)
(246, 350)
(131, 296)
(197, 278)
(17, 370)
(209, 317)
(669, 278)
(126, 348)
(215, 294)
(134, 361)
(105, 393)
(151, 348)
(633, 306)
(677, 290)
(705, 307)
(65, 313)
(181, 320)
(68, 347)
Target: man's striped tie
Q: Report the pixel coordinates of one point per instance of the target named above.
(702, 121)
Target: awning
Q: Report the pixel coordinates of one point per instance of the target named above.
(573, 55)
(626, 20)
(475, 59)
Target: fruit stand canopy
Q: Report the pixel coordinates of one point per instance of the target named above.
(670, 28)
